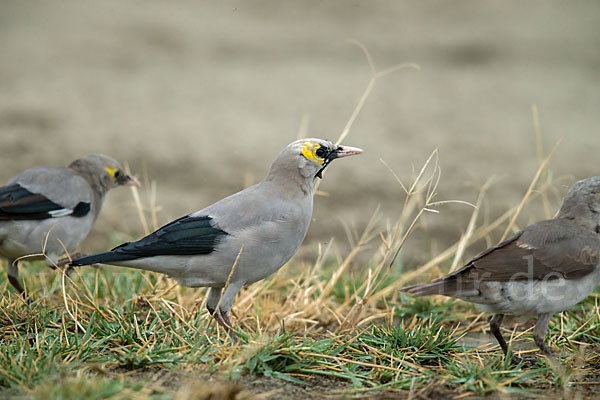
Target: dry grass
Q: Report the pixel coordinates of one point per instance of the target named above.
(331, 324)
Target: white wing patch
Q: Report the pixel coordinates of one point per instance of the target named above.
(63, 212)
(525, 246)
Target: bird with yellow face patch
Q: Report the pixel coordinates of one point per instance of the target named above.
(48, 211)
(258, 230)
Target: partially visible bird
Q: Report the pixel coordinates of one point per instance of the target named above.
(46, 212)
(543, 269)
(264, 225)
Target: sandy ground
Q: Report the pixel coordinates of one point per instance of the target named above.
(202, 96)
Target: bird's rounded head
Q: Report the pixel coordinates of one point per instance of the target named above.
(103, 172)
(582, 198)
(307, 158)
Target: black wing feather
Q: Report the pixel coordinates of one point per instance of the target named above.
(18, 203)
(184, 236)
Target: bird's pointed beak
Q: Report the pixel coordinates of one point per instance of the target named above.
(131, 180)
(339, 152)
(345, 151)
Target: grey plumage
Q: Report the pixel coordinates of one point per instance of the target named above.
(269, 220)
(47, 211)
(543, 269)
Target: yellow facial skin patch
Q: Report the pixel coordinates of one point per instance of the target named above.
(111, 171)
(309, 150)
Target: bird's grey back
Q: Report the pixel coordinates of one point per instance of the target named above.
(58, 184)
(263, 202)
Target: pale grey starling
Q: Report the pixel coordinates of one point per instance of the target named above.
(46, 212)
(264, 224)
(544, 269)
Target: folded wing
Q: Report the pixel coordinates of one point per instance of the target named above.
(18, 203)
(188, 235)
(547, 250)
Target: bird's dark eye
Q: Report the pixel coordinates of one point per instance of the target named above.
(118, 174)
(321, 152)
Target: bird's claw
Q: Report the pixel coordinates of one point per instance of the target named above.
(223, 320)
(526, 361)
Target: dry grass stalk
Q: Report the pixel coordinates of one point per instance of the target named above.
(462, 243)
(532, 185)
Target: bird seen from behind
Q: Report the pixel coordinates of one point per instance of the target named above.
(542, 270)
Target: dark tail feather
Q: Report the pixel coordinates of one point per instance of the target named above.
(101, 258)
(446, 286)
(426, 290)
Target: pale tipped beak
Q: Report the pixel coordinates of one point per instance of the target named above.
(339, 152)
(345, 151)
(131, 180)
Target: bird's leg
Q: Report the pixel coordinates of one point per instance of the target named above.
(539, 334)
(219, 303)
(495, 323)
(222, 319)
(12, 271)
(212, 302)
(225, 304)
(228, 327)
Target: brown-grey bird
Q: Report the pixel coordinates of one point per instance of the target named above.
(543, 269)
(48, 211)
(264, 224)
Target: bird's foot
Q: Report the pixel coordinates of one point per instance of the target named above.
(226, 324)
(233, 336)
(539, 340)
(17, 285)
(223, 319)
(526, 360)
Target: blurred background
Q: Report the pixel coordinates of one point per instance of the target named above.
(201, 96)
